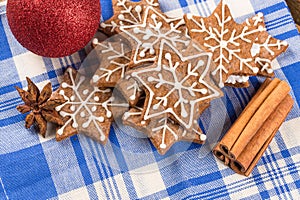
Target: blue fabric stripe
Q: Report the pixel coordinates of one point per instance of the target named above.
(105, 168)
(280, 25)
(35, 172)
(287, 35)
(5, 50)
(12, 120)
(122, 163)
(275, 21)
(107, 10)
(257, 179)
(230, 109)
(267, 160)
(195, 181)
(239, 96)
(9, 88)
(98, 169)
(110, 174)
(273, 8)
(82, 162)
(290, 71)
(183, 3)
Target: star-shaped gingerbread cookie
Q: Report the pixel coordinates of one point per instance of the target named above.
(126, 12)
(265, 47)
(176, 85)
(229, 42)
(165, 132)
(115, 57)
(147, 36)
(86, 108)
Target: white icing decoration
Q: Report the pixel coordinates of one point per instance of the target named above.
(82, 114)
(223, 45)
(152, 34)
(233, 79)
(118, 53)
(258, 18)
(265, 63)
(135, 89)
(203, 137)
(126, 14)
(72, 108)
(255, 50)
(85, 92)
(80, 107)
(164, 127)
(185, 119)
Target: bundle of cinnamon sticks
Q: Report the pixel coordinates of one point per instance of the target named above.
(245, 142)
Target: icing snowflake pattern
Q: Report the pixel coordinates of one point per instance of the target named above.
(112, 74)
(227, 42)
(129, 13)
(188, 95)
(265, 48)
(117, 58)
(85, 104)
(149, 34)
(165, 127)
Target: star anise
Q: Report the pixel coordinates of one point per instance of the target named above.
(40, 109)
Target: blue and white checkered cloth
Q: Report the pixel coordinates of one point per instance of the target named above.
(35, 168)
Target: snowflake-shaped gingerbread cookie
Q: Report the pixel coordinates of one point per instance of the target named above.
(86, 108)
(176, 85)
(146, 37)
(126, 12)
(164, 132)
(115, 58)
(229, 42)
(265, 47)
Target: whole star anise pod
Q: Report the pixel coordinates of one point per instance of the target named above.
(41, 109)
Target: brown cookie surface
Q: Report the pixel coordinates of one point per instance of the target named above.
(265, 47)
(87, 109)
(229, 42)
(147, 36)
(165, 132)
(126, 12)
(114, 57)
(176, 86)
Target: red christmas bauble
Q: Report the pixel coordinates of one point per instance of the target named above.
(53, 28)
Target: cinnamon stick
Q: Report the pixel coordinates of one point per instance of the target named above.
(259, 117)
(245, 142)
(249, 157)
(221, 155)
(232, 135)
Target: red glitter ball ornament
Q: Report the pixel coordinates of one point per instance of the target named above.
(53, 28)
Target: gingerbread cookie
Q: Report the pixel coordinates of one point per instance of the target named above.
(229, 42)
(265, 47)
(176, 85)
(130, 89)
(115, 56)
(87, 109)
(114, 61)
(147, 36)
(165, 132)
(126, 12)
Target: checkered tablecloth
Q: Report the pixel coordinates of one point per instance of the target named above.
(35, 168)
